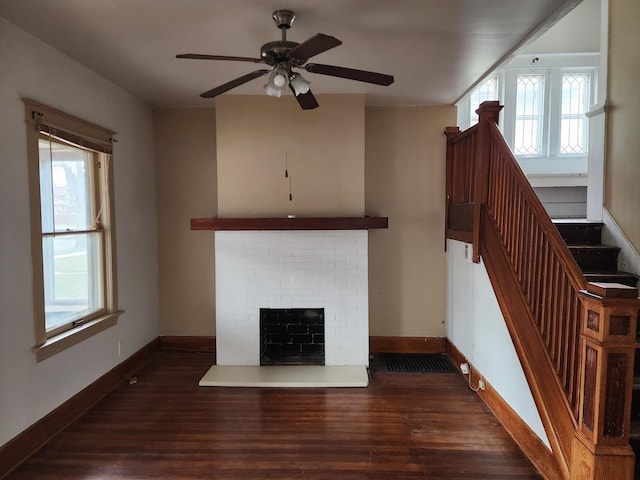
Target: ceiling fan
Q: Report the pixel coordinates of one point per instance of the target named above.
(283, 56)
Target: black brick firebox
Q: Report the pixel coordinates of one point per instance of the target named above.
(293, 336)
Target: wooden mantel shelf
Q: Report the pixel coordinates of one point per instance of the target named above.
(337, 223)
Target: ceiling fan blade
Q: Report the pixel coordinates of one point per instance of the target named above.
(306, 100)
(233, 83)
(350, 73)
(199, 56)
(313, 46)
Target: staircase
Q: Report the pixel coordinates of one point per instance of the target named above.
(599, 264)
(574, 333)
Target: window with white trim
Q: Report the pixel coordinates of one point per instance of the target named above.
(545, 111)
(486, 91)
(73, 246)
(575, 104)
(529, 118)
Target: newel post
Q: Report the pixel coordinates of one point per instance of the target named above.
(608, 335)
(488, 111)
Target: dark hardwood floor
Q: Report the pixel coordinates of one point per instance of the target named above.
(404, 426)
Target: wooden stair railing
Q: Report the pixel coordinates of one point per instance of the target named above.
(542, 294)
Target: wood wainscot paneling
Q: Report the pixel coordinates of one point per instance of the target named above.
(531, 445)
(17, 450)
(407, 344)
(460, 222)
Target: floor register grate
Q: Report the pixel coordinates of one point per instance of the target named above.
(416, 363)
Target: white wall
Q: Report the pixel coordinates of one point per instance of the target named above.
(476, 327)
(30, 68)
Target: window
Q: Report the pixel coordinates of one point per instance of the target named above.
(546, 100)
(487, 90)
(72, 223)
(529, 114)
(72, 236)
(549, 119)
(575, 103)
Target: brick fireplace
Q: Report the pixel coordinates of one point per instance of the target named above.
(292, 269)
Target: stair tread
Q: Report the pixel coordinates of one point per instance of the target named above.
(582, 246)
(624, 278)
(617, 273)
(635, 430)
(576, 221)
(609, 273)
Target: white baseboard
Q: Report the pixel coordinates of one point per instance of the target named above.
(612, 234)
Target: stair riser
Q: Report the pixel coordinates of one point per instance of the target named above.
(596, 260)
(635, 406)
(580, 234)
(635, 403)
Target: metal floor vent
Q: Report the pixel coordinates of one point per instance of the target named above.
(416, 363)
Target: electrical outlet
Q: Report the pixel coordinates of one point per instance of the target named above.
(481, 384)
(464, 368)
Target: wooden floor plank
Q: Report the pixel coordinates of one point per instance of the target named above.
(403, 426)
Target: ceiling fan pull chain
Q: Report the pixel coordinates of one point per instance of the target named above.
(290, 196)
(286, 166)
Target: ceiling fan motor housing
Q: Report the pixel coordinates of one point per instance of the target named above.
(274, 53)
(277, 53)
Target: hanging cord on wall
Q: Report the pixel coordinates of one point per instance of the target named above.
(106, 164)
(53, 217)
(285, 117)
(286, 174)
(103, 163)
(286, 166)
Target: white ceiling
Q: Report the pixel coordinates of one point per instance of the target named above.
(436, 49)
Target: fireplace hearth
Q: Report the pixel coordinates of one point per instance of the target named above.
(292, 336)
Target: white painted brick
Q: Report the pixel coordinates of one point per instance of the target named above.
(292, 269)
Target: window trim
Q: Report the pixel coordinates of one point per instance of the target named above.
(552, 109)
(92, 137)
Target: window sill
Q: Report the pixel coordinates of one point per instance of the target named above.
(558, 180)
(76, 335)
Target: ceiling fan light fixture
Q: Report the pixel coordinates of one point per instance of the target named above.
(272, 91)
(299, 84)
(278, 78)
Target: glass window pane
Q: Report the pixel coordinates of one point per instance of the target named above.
(487, 90)
(65, 187)
(529, 114)
(72, 268)
(575, 102)
(526, 137)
